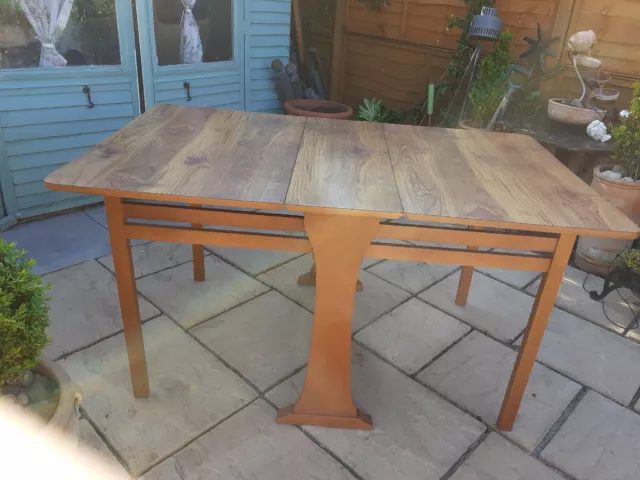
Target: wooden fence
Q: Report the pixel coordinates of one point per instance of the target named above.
(394, 53)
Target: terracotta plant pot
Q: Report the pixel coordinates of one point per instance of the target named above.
(595, 254)
(562, 112)
(65, 417)
(318, 108)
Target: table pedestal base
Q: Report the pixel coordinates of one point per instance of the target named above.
(309, 279)
(361, 420)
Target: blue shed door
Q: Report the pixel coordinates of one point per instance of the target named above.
(68, 80)
(192, 52)
(214, 53)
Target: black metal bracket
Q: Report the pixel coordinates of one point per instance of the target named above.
(87, 91)
(187, 85)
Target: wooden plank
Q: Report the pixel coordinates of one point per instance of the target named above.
(457, 236)
(338, 51)
(489, 178)
(343, 165)
(199, 154)
(221, 238)
(560, 29)
(225, 218)
(454, 256)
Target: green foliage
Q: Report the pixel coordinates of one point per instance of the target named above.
(455, 69)
(490, 83)
(23, 313)
(373, 110)
(631, 259)
(626, 150)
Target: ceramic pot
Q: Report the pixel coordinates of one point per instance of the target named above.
(65, 418)
(564, 113)
(318, 108)
(595, 254)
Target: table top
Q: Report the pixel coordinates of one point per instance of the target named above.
(253, 160)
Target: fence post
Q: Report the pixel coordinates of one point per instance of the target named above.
(560, 29)
(337, 56)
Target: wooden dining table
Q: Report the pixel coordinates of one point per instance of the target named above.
(480, 199)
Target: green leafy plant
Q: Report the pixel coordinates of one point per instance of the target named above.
(626, 150)
(490, 83)
(631, 259)
(374, 110)
(23, 313)
(456, 67)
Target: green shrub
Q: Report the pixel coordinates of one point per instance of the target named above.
(490, 83)
(23, 313)
(631, 259)
(374, 110)
(627, 138)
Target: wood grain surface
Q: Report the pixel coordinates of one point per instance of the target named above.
(493, 178)
(344, 165)
(222, 157)
(191, 153)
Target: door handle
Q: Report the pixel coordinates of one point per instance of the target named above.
(87, 91)
(187, 86)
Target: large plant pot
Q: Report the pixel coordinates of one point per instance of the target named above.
(65, 416)
(318, 108)
(562, 111)
(595, 254)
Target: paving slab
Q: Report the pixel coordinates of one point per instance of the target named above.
(517, 278)
(175, 293)
(152, 257)
(412, 334)
(498, 459)
(573, 298)
(411, 276)
(492, 307)
(91, 441)
(190, 391)
(475, 374)
(60, 241)
(251, 260)
(591, 355)
(85, 308)
(250, 445)
(599, 441)
(416, 434)
(378, 297)
(265, 339)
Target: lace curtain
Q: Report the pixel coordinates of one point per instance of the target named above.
(49, 19)
(190, 44)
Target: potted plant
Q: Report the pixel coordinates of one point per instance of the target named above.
(490, 84)
(624, 274)
(619, 182)
(36, 383)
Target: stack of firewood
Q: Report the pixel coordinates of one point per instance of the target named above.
(291, 86)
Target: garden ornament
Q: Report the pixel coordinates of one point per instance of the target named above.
(598, 131)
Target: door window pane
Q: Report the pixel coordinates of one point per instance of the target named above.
(58, 33)
(193, 31)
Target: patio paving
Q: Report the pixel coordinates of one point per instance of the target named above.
(224, 353)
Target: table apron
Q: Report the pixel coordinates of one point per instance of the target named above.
(274, 233)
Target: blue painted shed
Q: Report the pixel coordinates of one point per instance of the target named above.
(72, 72)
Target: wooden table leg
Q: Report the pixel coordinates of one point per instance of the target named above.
(465, 281)
(542, 308)
(126, 281)
(198, 257)
(309, 279)
(339, 243)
